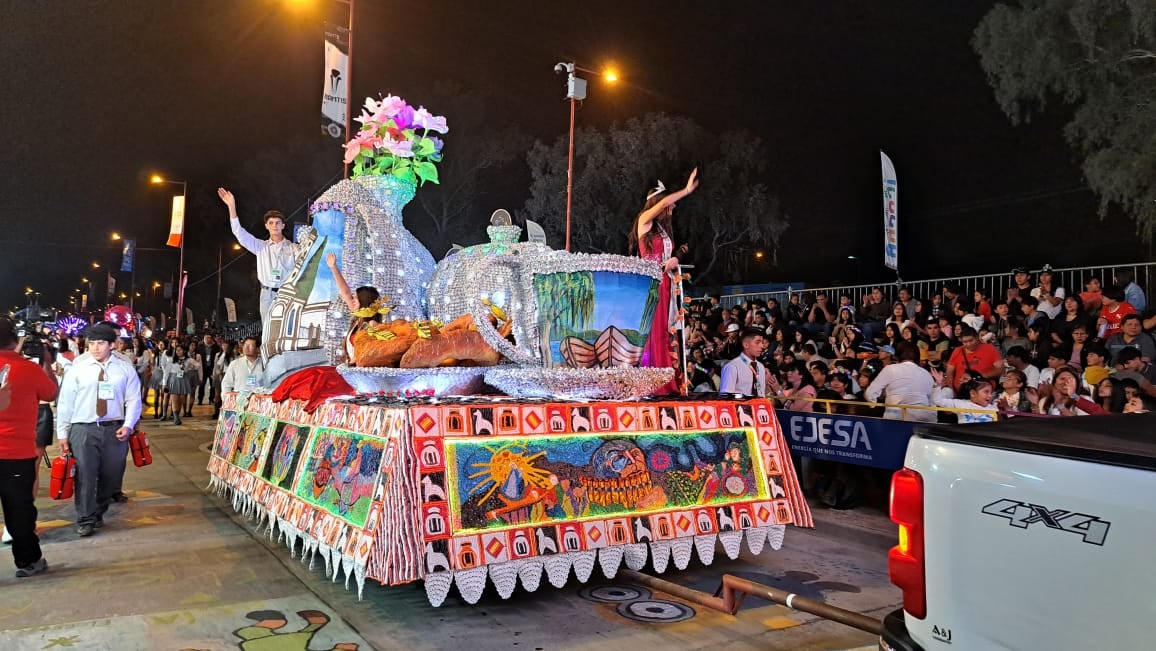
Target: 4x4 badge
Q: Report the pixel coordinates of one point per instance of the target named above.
(1021, 515)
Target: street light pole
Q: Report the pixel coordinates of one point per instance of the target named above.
(575, 90)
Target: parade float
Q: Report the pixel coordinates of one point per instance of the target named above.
(491, 422)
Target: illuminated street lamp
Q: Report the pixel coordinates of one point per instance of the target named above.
(158, 179)
(575, 90)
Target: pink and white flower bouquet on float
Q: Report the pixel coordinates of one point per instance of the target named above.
(395, 140)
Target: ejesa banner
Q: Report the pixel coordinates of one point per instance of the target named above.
(890, 214)
(335, 96)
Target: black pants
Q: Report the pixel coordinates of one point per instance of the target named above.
(206, 390)
(16, 479)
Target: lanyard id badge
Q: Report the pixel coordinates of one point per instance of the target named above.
(104, 391)
(251, 381)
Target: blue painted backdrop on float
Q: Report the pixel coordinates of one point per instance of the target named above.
(875, 442)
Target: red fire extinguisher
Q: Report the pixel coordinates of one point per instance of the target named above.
(138, 443)
(63, 481)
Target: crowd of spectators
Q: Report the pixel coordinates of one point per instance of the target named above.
(1033, 347)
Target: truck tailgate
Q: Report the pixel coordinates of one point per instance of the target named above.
(1030, 551)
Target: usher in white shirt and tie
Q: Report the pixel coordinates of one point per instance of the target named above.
(743, 375)
(88, 383)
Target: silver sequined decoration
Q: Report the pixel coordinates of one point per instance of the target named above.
(458, 282)
(442, 381)
(523, 307)
(378, 251)
(579, 383)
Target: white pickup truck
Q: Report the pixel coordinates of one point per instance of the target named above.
(1026, 534)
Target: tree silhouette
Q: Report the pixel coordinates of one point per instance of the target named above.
(615, 168)
(1098, 60)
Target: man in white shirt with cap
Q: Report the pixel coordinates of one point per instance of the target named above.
(275, 256)
(98, 407)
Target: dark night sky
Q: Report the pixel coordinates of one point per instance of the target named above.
(95, 95)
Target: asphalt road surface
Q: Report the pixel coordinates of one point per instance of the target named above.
(176, 568)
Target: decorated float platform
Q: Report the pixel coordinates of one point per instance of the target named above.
(574, 465)
(461, 491)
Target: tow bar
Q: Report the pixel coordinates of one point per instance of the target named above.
(735, 589)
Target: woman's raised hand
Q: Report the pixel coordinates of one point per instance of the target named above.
(692, 182)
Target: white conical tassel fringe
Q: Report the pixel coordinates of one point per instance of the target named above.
(660, 555)
(732, 542)
(557, 568)
(635, 555)
(756, 539)
(680, 549)
(705, 546)
(530, 573)
(584, 564)
(778, 531)
(610, 558)
(325, 551)
(347, 565)
(471, 583)
(437, 587)
(505, 578)
(359, 575)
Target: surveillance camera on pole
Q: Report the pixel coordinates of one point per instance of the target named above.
(575, 86)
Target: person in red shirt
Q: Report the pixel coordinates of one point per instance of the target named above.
(975, 356)
(1092, 295)
(1113, 313)
(24, 386)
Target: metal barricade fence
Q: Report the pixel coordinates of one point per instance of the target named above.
(826, 403)
(1072, 279)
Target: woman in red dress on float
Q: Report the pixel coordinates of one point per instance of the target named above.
(651, 236)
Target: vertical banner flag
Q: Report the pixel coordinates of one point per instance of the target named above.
(111, 287)
(84, 303)
(230, 310)
(127, 254)
(177, 228)
(168, 291)
(191, 327)
(335, 96)
(890, 214)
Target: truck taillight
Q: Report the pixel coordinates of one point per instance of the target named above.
(905, 562)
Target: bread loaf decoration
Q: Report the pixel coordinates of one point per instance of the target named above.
(426, 344)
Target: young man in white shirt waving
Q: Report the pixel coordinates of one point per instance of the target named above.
(275, 256)
(247, 372)
(98, 408)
